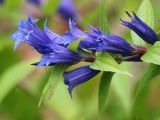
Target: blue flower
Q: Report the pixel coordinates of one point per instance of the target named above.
(74, 34)
(25, 28)
(42, 40)
(96, 40)
(45, 42)
(67, 10)
(59, 54)
(78, 76)
(99, 41)
(141, 28)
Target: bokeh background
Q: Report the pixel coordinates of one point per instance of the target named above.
(21, 84)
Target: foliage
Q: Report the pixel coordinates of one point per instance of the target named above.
(21, 84)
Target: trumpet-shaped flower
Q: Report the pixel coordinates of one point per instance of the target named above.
(106, 42)
(60, 54)
(45, 42)
(25, 28)
(78, 76)
(141, 28)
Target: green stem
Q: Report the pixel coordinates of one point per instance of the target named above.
(140, 98)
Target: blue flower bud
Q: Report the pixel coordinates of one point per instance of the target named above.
(78, 76)
(141, 29)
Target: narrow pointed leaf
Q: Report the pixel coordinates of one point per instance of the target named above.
(104, 86)
(74, 45)
(55, 78)
(106, 78)
(103, 20)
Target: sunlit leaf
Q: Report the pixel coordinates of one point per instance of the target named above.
(153, 54)
(56, 77)
(121, 86)
(74, 45)
(105, 62)
(146, 13)
(11, 77)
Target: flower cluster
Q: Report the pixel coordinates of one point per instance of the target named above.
(54, 47)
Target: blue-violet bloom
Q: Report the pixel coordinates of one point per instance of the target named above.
(141, 28)
(78, 76)
(96, 40)
(44, 41)
(24, 30)
(106, 42)
(60, 55)
(74, 34)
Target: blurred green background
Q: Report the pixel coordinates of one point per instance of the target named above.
(21, 84)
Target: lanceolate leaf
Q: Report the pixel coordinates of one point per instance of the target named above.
(151, 72)
(104, 90)
(74, 45)
(105, 62)
(103, 20)
(106, 76)
(56, 76)
(146, 13)
(153, 54)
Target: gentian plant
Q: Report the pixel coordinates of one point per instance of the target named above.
(102, 50)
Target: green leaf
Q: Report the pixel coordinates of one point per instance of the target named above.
(74, 45)
(12, 76)
(153, 54)
(103, 20)
(151, 72)
(104, 86)
(105, 62)
(146, 13)
(56, 77)
(107, 75)
(121, 86)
